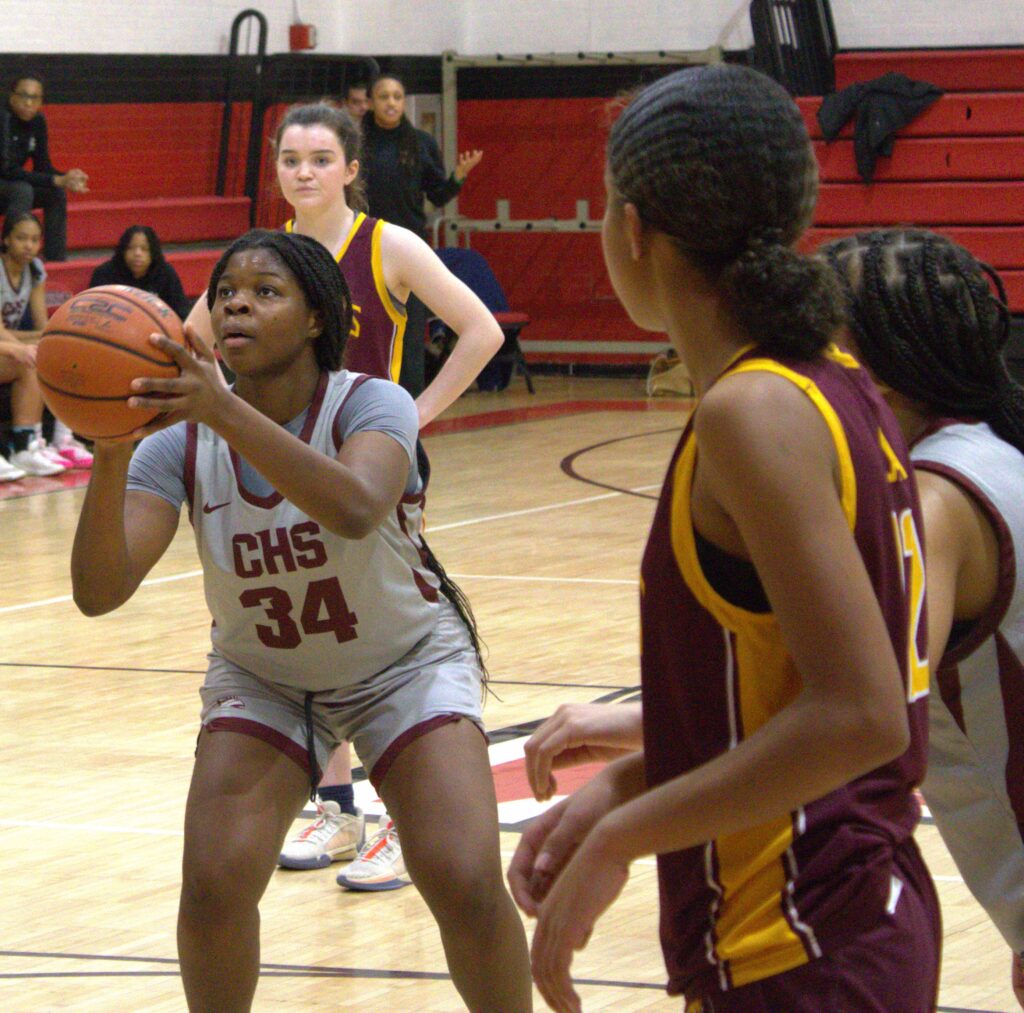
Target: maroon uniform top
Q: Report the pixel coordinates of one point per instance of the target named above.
(378, 321)
(715, 668)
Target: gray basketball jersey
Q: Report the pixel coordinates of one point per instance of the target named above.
(975, 780)
(292, 602)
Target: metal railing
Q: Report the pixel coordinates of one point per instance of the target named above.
(795, 43)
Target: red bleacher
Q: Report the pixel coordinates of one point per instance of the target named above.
(957, 168)
(149, 164)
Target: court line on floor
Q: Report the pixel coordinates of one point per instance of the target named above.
(152, 582)
(266, 970)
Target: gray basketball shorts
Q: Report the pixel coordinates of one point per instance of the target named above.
(438, 681)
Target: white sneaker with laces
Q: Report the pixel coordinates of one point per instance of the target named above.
(379, 865)
(332, 837)
(34, 461)
(8, 473)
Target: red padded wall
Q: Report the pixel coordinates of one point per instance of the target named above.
(160, 149)
(543, 155)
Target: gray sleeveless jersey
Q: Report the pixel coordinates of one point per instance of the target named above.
(975, 781)
(292, 602)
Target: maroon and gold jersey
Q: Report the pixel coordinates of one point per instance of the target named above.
(378, 321)
(755, 903)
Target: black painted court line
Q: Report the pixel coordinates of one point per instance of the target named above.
(202, 671)
(568, 463)
(307, 971)
(266, 970)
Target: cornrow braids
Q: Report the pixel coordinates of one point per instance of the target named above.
(931, 321)
(341, 124)
(319, 278)
(718, 158)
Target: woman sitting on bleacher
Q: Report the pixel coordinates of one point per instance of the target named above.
(139, 261)
(22, 318)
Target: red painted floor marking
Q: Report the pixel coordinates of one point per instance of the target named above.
(511, 784)
(36, 486)
(533, 413)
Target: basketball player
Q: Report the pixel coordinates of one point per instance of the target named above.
(332, 620)
(782, 602)
(927, 324)
(317, 149)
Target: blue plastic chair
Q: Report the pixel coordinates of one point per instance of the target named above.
(471, 267)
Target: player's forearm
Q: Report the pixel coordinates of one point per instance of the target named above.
(321, 487)
(101, 571)
(801, 754)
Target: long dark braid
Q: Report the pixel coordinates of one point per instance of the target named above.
(459, 601)
(318, 275)
(931, 321)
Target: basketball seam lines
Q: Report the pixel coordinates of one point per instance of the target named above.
(115, 345)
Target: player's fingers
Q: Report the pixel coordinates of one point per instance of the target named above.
(520, 872)
(177, 352)
(197, 342)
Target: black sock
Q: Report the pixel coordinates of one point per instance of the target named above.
(21, 437)
(340, 793)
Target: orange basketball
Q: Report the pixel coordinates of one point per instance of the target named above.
(91, 350)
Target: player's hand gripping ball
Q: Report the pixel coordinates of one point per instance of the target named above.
(91, 350)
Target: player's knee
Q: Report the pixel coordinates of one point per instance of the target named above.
(213, 891)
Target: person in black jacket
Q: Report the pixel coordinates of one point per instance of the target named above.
(23, 136)
(139, 261)
(402, 165)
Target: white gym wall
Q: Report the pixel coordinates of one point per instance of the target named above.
(485, 26)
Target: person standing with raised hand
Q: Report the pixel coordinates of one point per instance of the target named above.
(333, 621)
(317, 149)
(784, 668)
(402, 166)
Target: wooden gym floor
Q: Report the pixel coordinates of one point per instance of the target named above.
(539, 506)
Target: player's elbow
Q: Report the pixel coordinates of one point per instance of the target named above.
(879, 734)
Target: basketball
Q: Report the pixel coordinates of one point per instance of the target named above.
(91, 350)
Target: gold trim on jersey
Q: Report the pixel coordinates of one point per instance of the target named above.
(398, 317)
(752, 932)
(289, 226)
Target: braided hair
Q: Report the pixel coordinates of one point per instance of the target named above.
(718, 159)
(931, 321)
(318, 276)
(341, 124)
(408, 142)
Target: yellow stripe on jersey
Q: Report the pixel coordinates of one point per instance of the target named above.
(359, 219)
(398, 317)
(847, 479)
(752, 932)
(289, 227)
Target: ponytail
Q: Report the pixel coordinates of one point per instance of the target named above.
(787, 302)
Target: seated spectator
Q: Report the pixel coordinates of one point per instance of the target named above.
(23, 136)
(21, 292)
(139, 261)
(22, 319)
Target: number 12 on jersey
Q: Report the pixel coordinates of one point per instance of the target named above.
(912, 572)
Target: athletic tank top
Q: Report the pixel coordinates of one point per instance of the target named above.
(14, 301)
(975, 782)
(378, 322)
(755, 903)
(292, 602)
